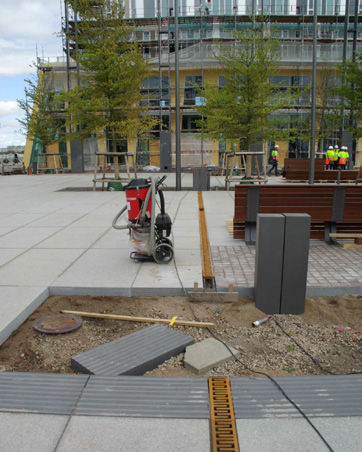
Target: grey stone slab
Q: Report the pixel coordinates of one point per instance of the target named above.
(152, 274)
(100, 268)
(114, 239)
(189, 274)
(188, 257)
(73, 238)
(18, 220)
(4, 231)
(6, 255)
(94, 220)
(206, 355)
(337, 395)
(183, 242)
(133, 354)
(40, 393)
(37, 267)
(277, 435)
(97, 434)
(17, 304)
(56, 219)
(153, 397)
(30, 432)
(95, 291)
(26, 237)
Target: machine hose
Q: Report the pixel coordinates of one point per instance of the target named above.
(115, 219)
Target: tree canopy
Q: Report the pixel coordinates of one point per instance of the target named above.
(246, 107)
(42, 105)
(112, 68)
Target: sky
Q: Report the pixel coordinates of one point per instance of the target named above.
(25, 26)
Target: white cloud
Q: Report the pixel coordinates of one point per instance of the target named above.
(24, 26)
(9, 108)
(9, 135)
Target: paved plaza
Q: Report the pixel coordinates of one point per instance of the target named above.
(56, 238)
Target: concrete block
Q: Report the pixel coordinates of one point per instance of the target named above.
(205, 355)
(269, 262)
(295, 263)
(133, 354)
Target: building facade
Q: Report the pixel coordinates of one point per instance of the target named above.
(202, 25)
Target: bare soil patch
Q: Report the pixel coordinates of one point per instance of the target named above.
(330, 330)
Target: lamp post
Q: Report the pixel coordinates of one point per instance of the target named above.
(177, 103)
(314, 91)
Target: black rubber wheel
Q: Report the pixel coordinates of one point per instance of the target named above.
(163, 253)
(164, 240)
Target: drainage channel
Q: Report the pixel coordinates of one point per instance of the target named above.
(222, 419)
(207, 268)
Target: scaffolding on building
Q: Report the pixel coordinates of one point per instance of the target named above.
(197, 49)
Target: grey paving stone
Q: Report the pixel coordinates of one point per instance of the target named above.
(112, 434)
(205, 355)
(30, 432)
(133, 354)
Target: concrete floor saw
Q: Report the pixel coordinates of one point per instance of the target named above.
(149, 233)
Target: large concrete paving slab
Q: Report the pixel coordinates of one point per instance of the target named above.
(73, 238)
(99, 434)
(26, 237)
(134, 354)
(97, 269)
(8, 254)
(30, 432)
(205, 355)
(17, 304)
(284, 435)
(38, 267)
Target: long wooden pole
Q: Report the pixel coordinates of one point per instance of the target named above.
(140, 319)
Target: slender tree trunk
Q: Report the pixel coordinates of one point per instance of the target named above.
(248, 162)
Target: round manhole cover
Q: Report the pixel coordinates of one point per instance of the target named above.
(57, 324)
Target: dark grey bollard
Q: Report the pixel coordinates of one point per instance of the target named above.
(201, 179)
(295, 263)
(269, 262)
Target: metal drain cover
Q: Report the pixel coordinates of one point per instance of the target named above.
(57, 324)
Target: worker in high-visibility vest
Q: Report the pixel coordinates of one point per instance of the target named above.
(342, 158)
(330, 158)
(336, 157)
(346, 151)
(275, 158)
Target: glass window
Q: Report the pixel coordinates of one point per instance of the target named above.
(151, 91)
(192, 85)
(189, 123)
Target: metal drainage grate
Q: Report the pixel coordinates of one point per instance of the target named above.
(223, 427)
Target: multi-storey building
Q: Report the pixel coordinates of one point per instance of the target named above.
(201, 25)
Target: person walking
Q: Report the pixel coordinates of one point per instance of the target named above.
(336, 157)
(330, 158)
(275, 158)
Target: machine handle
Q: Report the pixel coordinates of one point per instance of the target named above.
(160, 181)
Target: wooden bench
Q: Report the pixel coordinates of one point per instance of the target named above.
(333, 208)
(298, 169)
(356, 237)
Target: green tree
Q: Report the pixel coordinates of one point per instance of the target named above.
(351, 94)
(112, 68)
(42, 121)
(245, 109)
(328, 118)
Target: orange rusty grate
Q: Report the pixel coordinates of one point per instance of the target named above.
(223, 427)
